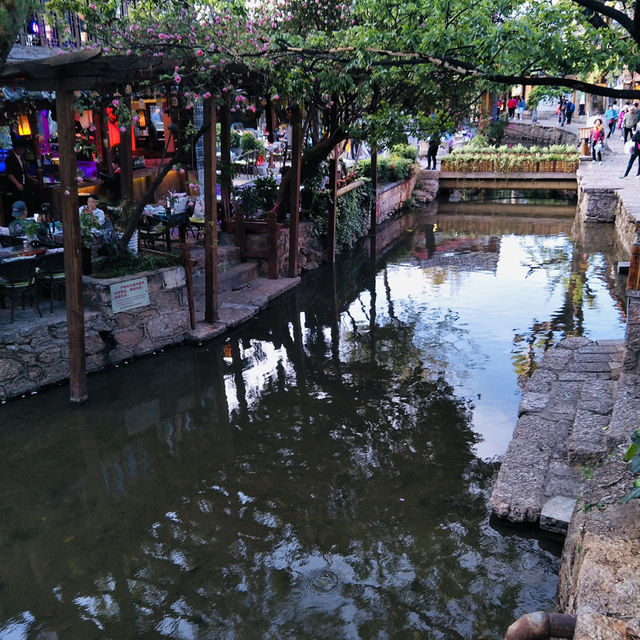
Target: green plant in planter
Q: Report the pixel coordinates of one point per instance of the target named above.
(632, 456)
(88, 224)
(267, 190)
(30, 227)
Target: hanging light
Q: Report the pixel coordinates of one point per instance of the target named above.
(24, 128)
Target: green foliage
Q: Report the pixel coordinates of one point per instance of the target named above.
(13, 16)
(353, 214)
(88, 224)
(267, 189)
(248, 142)
(406, 151)
(632, 456)
(236, 139)
(494, 132)
(391, 169)
(125, 263)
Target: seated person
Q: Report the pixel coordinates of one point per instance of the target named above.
(92, 207)
(18, 227)
(43, 234)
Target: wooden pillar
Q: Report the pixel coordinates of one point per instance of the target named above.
(374, 188)
(633, 279)
(333, 206)
(72, 245)
(126, 165)
(225, 160)
(272, 245)
(210, 217)
(294, 198)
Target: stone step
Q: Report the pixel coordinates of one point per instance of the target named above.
(233, 277)
(564, 419)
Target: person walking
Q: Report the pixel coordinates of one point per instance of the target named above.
(621, 115)
(432, 150)
(512, 103)
(635, 138)
(569, 108)
(561, 111)
(611, 118)
(629, 122)
(521, 106)
(597, 140)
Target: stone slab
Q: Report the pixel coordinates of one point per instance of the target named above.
(556, 514)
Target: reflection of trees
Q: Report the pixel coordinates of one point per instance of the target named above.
(567, 268)
(352, 507)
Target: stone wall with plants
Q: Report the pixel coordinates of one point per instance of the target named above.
(35, 355)
(512, 159)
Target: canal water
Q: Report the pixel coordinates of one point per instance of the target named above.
(322, 473)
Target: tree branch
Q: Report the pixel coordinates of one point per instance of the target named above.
(615, 14)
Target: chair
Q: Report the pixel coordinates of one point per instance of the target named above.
(10, 241)
(17, 278)
(50, 273)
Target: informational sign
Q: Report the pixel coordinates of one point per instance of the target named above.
(129, 295)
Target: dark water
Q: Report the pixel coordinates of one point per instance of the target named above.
(322, 473)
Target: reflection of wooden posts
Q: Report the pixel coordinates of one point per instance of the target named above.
(335, 320)
(126, 165)
(374, 188)
(633, 279)
(241, 388)
(294, 198)
(272, 245)
(188, 272)
(72, 244)
(298, 343)
(225, 160)
(333, 205)
(210, 217)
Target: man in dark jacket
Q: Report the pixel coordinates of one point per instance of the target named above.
(21, 184)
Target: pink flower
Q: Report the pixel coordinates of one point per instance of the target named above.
(276, 97)
(135, 118)
(199, 52)
(123, 129)
(92, 6)
(206, 95)
(181, 170)
(177, 79)
(115, 102)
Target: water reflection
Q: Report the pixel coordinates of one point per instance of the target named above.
(323, 472)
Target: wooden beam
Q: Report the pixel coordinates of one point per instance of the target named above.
(633, 278)
(210, 217)
(72, 246)
(333, 206)
(294, 199)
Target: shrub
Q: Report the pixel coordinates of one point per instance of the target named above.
(125, 263)
(236, 140)
(391, 169)
(405, 151)
(248, 142)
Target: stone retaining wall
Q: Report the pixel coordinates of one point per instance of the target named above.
(35, 355)
(538, 134)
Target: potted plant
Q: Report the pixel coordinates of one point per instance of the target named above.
(89, 225)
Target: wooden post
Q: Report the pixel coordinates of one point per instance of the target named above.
(294, 198)
(633, 278)
(225, 160)
(374, 188)
(126, 165)
(272, 245)
(72, 245)
(210, 217)
(333, 206)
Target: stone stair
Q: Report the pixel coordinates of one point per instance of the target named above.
(569, 420)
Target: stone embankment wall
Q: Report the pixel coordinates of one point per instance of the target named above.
(35, 355)
(391, 197)
(537, 134)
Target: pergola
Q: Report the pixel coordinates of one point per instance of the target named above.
(91, 70)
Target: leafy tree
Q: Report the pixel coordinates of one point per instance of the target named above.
(13, 16)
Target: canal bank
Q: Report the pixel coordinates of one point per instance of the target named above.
(564, 468)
